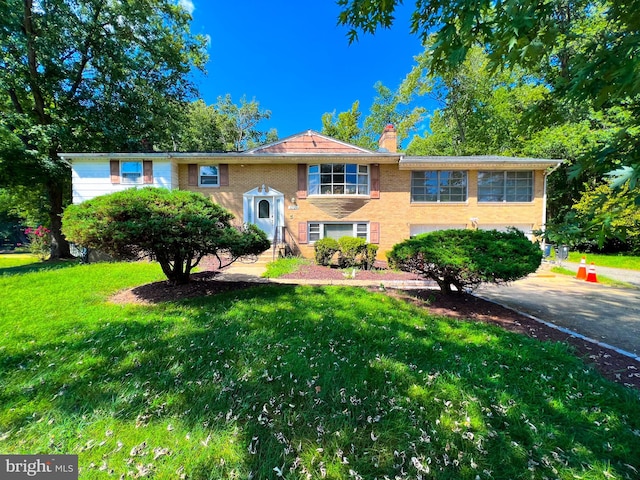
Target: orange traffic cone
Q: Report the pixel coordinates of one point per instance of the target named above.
(591, 273)
(582, 270)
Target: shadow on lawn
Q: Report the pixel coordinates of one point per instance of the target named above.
(321, 381)
(38, 267)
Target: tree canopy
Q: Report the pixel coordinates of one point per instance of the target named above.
(344, 126)
(388, 107)
(480, 111)
(221, 127)
(586, 51)
(239, 124)
(86, 76)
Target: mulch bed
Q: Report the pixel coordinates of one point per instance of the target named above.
(613, 365)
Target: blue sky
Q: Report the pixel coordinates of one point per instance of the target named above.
(295, 60)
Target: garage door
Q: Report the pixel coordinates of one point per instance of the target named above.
(426, 228)
(525, 228)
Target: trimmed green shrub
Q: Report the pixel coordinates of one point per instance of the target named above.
(325, 249)
(370, 256)
(352, 251)
(466, 258)
(177, 228)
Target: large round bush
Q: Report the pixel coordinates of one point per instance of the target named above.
(177, 228)
(466, 258)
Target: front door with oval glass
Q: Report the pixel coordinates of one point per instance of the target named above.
(264, 215)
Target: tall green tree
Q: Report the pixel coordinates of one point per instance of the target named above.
(388, 107)
(221, 127)
(344, 126)
(199, 130)
(238, 124)
(508, 112)
(480, 111)
(393, 107)
(88, 75)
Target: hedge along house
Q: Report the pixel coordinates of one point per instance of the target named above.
(309, 186)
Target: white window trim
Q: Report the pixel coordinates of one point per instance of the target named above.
(320, 232)
(358, 165)
(208, 185)
(125, 180)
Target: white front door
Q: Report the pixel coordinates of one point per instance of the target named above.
(264, 215)
(264, 207)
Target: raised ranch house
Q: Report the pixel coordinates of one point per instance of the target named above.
(309, 186)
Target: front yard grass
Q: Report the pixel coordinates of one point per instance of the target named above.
(601, 278)
(293, 382)
(8, 260)
(628, 262)
(284, 265)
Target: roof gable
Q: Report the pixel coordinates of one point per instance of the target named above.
(309, 142)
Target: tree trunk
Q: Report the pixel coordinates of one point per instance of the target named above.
(59, 244)
(182, 279)
(174, 271)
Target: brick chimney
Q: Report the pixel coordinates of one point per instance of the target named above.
(388, 141)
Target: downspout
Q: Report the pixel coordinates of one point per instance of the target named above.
(547, 172)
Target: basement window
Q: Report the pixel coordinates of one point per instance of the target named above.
(337, 230)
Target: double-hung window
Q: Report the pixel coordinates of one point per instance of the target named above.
(131, 172)
(338, 179)
(438, 186)
(208, 176)
(514, 186)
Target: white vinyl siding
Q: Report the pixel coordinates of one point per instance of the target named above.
(92, 178)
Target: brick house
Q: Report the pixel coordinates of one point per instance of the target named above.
(309, 186)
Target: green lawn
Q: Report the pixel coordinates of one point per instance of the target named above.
(285, 265)
(601, 278)
(16, 260)
(298, 382)
(615, 261)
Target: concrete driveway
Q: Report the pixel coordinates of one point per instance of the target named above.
(605, 314)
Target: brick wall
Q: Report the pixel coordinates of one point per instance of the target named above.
(393, 210)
